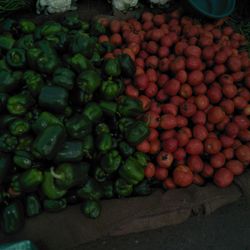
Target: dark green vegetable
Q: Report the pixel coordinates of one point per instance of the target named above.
(12, 217)
(64, 77)
(91, 190)
(129, 107)
(79, 63)
(104, 142)
(102, 128)
(28, 181)
(8, 143)
(79, 126)
(9, 80)
(3, 101)
(49, 188)
(54, 206)
(26, 42)
(109, 90)
(68, 175)
(50, 28)
(123, 188)
(16, 58)
(109, 108)
(137, 133)
(23, 159)
(71, 151)
(27, 26)
(20, 103)
(111, 161)
(112, 67)
(97, 29)
(142, 189)
(79, 98)
(72, 21)
(32, 57)
(100, 175)
(127, 66)
(93, 111)
(19, 127)
(6, 42)
(88, 146)
(25, 142)
(44, 120)
(141, 158)
(53, 98)
(34, 82)
(32, 205)
(49, 142)
(125, 123)
(89, 81)
(92, 209)
(132, 171)
(125, 149)
(108, 189)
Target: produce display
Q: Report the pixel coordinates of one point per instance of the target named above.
(68, 134)
(113, 108)
(193, 80)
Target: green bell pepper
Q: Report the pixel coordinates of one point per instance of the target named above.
(3, 65)
(106, 47)
(54, 206)
(93, 111)
(49, 189)
(102, 128)
(132, 171)
(49, 142)
(19, 127)
(47, 63)
(32, 205)
(141, 158)
(8, 143)
(78, 126)
(79, 97)
(68, 175)
(3, 101)
(44, 120)
(123, 188)
(20, 103)
(112, 67)
(25, 42)
(33, 54)
(34, 82)
(28, 181)
(82, 43)
(125, 149)
(27, 26)
(100, 175)
(129, 107)
(91, 190)
(97, 29)
(64, 77)
(104, 142)
(6, 42)
(71, 151)
(108, 189)
(8, 25)
(72, 21)
(109, 108)
(58, 41)
(54, 98)
(89, 81)
(111, 161)
(91, 209)
(79, 63)
(142, 189)
(127, 66)
(88, 146)
(137, 133)
(96, 59)
(12, 217)
(25, 142)
(125, 123)
(23, 159)
(16, 58)
(5, 166)
(85, 26)
(9, 80)
(109, 90)
(50, 28)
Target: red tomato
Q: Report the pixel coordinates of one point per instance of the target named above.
(236, 167)
(194, 147)
(143, 146)
(155, 146)
(131, 91)
(195, 163)
(182, 176)
(164, 159)
(153, 119)
(161, 174)
(168, 121)
(146, 102)
(169, 183)
(149, 171)
(223, 177)
(170, 145)
(155, 107)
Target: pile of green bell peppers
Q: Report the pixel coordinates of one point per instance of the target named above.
(68, 134)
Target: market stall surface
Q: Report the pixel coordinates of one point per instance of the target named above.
(226, 229)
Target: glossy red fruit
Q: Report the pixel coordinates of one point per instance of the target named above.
(194, 147)
(182, 176)
(215, 115)
(195, 163)
(223, 177)
(212, 145)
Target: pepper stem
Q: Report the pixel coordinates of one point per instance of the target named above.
(54, 174)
